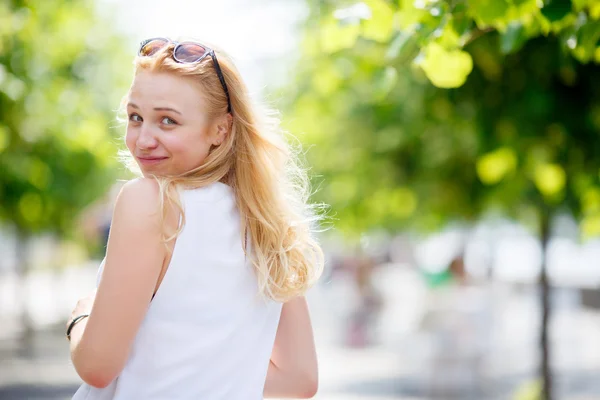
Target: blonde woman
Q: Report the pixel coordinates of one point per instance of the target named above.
(200, 295)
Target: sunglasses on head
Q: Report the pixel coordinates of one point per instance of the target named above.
(185, 53)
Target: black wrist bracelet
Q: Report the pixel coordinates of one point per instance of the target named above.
(72, 324)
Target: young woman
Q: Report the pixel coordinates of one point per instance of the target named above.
(200, 295)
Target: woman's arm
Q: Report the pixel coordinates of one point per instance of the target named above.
(293, 371)
(100, 344)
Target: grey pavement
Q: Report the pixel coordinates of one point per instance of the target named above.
(478, 345)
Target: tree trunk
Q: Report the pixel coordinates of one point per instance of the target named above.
(545, 369)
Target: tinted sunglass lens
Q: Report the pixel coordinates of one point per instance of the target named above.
(151, 47)
(189, 52)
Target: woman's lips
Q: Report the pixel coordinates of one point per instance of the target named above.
(151, 160)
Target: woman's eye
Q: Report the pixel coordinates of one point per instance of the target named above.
(135, 117)
(168, 121)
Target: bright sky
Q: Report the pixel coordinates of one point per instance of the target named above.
(258, 34)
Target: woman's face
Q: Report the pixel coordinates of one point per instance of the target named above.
(168, 130)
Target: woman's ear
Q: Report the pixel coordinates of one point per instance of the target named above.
(222, 129)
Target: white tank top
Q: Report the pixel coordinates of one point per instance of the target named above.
(207, 334)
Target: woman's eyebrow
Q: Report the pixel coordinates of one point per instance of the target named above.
(166, 109)
(133, 105)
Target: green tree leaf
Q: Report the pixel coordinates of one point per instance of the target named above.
(495, 166)
(488, 12)
(550, 179)
(380, 26)
(513, 39)
(446, 68)
(555, 10)
(336, 36)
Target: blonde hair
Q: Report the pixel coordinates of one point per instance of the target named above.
(270, 185)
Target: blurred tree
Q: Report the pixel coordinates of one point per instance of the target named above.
(517, 133)
(59, 87)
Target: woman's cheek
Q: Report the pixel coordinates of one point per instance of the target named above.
(130, 139)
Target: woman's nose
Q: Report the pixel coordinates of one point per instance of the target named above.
(146, 139)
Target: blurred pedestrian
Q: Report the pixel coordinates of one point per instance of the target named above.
(363, 318)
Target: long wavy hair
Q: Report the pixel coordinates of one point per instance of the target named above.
(270, 184)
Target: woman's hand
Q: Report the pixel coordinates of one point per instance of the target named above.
(84, 306)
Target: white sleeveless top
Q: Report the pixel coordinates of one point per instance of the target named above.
(207, 334)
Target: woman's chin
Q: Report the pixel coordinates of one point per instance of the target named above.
(150, 172)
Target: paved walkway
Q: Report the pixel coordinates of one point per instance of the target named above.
(401, 365)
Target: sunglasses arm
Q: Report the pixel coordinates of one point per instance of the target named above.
(221, 78)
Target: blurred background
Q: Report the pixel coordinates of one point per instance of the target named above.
(456, 143)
